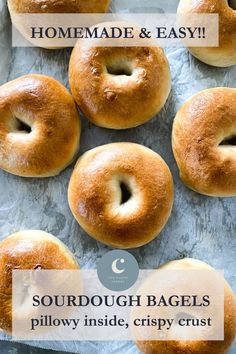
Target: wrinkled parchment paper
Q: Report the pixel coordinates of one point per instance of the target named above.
(200, 227)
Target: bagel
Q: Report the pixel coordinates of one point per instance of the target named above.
(26, 250)
(225, 54)
(188, 346)
(39, 127)
(121, 194)
(24, 23)
(53, 6)
(203, 141)
(118, 87)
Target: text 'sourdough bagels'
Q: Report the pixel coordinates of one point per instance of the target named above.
(26, 250)
(39, 127)
(121, 194)
(119, 87)
(158, 284)
(204, 142)
(225, 54)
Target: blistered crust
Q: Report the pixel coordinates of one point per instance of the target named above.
(119, 87)
(95, 195)
(196, 347)
(225, 54)
(44, 106)
(55, 6)
(201, 142)
(27, 250)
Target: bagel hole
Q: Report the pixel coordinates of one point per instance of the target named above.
(119, 69)
(22, 126)
(231, 140)
(232, 4)
(185, 315)
(38, 267)
(125, 193)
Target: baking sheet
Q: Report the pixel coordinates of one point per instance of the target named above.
(200, 227)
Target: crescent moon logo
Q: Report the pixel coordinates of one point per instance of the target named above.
(114, 267)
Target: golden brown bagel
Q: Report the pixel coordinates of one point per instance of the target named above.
(24, 250)
(119, 87)
(55, 6)
(225, 54)
(24, 23)
(203, 141)
(193, 347)
(121, 194)
(39, 127)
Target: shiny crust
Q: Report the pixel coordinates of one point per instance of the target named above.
(119, 101)
(225, 54)
(95, 194)
(55, 6)
(197, 347)
(24, 250)
(47, 107)
(200, 126)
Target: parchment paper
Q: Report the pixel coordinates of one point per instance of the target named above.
(200, 227)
